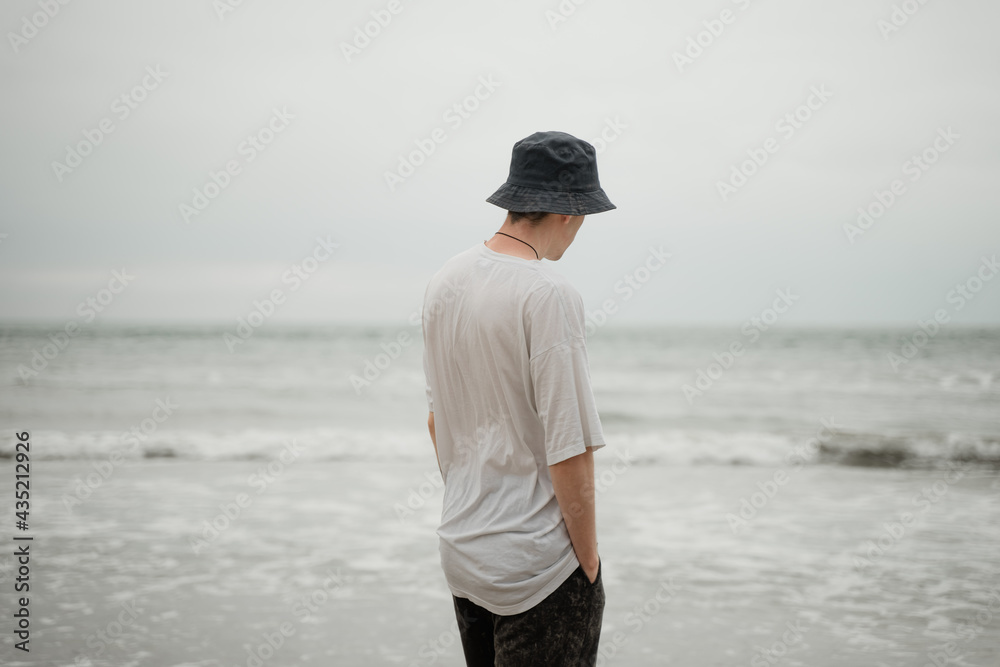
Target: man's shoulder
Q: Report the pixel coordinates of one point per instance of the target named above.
(551, 280)
(454, 265)
(467, 256)
(552, 291)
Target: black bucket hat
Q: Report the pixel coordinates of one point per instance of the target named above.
(552, 172)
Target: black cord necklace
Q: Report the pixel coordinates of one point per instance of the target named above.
(524, 242)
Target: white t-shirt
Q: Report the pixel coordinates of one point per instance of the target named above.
(509, 385)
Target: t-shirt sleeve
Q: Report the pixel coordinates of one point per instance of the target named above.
(560, 373)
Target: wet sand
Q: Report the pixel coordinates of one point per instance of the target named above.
(321, 566)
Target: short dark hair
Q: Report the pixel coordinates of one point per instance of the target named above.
(533, 217)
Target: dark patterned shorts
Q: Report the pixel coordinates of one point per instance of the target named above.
(562, 630)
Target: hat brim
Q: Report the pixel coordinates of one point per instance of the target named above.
(523, 199)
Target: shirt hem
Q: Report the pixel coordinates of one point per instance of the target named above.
(570, 452)
(530, 602)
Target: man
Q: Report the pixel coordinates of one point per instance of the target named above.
(513, 420)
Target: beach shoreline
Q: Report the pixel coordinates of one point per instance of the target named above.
(322, 564)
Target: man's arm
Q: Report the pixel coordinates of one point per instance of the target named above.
(573, 481)
(430, 427)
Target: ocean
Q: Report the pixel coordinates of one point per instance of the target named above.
(357, 393)
(792, 496)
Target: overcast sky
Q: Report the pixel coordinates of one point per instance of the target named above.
(865, 95)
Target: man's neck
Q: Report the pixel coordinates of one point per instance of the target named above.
(520, 246)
